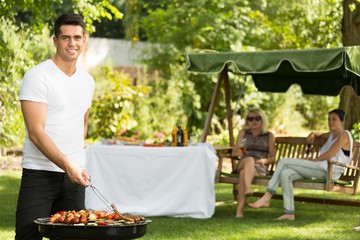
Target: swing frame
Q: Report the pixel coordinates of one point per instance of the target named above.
(317, 71)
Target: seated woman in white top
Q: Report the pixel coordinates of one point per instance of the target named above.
(337, 147)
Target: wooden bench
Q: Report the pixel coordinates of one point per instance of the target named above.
(295, 147)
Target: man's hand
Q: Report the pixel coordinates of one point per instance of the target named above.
(78, 175)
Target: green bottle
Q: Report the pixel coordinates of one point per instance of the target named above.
(180, 136)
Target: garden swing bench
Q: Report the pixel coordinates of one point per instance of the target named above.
(316, 71)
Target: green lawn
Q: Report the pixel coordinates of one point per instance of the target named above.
(313, 221)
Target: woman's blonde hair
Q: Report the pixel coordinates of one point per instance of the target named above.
(264, 122)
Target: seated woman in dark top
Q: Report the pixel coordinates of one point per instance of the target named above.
(255, 146)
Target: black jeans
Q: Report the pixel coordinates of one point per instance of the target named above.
(41, 194)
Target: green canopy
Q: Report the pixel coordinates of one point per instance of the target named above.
(317, 71)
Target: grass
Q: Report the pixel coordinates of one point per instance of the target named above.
(9, 187)
(313, 221)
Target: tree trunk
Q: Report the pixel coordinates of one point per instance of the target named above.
(349, 102)
(351, 24)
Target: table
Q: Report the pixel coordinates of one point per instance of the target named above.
(153, 181)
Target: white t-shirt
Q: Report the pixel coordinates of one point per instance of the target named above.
(67, 99)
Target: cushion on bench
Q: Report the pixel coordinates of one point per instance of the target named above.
(339, 182)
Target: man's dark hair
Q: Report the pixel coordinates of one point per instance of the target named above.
(68, 19)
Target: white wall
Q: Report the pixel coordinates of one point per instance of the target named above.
(118, 52)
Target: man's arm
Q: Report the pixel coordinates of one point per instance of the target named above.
(34, 114)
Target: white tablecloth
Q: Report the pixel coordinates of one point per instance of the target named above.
(153, 181)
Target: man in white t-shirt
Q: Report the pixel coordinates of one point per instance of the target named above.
(55, 97)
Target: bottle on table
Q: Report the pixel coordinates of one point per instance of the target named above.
(186, 136)
(174, 136)
(180, 136)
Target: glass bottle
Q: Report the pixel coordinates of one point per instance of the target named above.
(186, 136)
(174, 135)
(180, 136)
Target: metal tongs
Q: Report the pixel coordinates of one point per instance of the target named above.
(109, 206)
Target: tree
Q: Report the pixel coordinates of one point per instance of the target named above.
(176, 27)
(349, 101)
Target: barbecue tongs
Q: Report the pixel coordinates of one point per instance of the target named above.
(108, 205)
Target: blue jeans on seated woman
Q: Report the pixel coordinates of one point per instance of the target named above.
(289, 170)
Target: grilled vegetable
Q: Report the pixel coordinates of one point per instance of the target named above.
(100, 218)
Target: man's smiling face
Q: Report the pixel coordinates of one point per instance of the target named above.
(70, 42)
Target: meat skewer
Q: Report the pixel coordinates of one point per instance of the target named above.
(107, 204)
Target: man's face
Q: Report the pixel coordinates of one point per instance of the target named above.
(70, 42)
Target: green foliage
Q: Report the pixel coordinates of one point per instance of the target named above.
(18, 54)
(281, 24)
(154, 108)
(179, 26)
(168, 103)
(29, 14)
(294, 113)
(113, 109)
(184, 26)
(282, 114)
(35, 16)
(355, 132)
(95, 10)
(315, 110)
